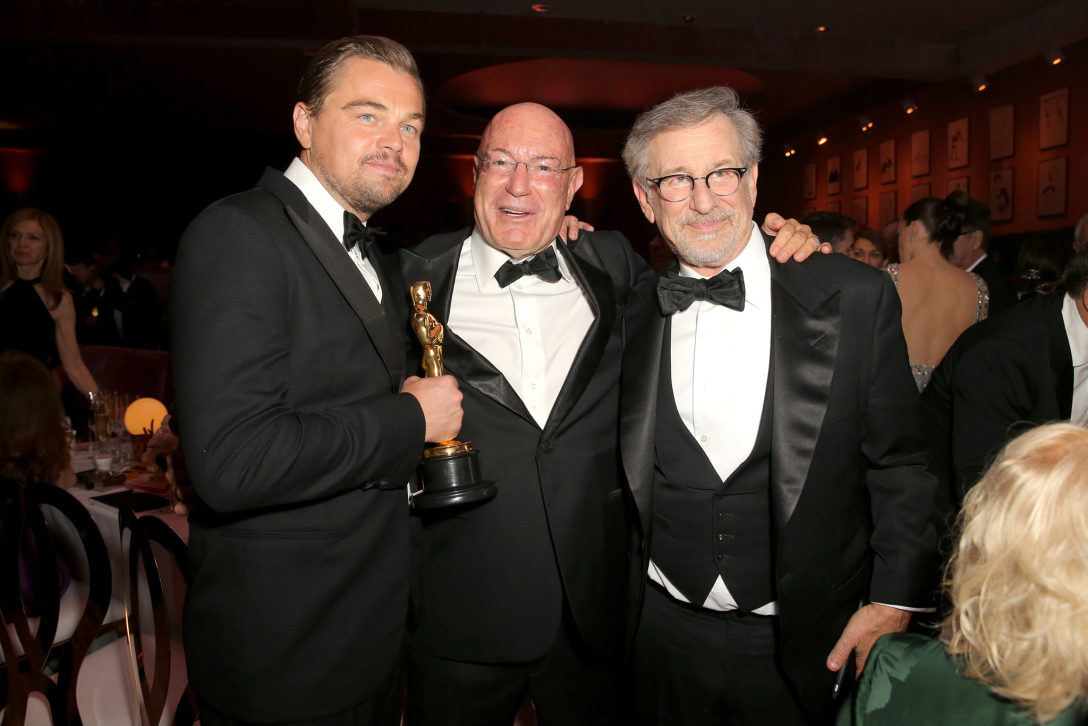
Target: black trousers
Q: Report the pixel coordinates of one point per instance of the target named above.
(568, 687)
(382, 710)
(697, 667)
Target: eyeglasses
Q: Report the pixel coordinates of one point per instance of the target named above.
(678, 187)
(503, 166)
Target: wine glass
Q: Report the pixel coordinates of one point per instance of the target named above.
(100, 420)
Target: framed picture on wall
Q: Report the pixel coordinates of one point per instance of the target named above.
(835, 205)
(1001, 132)
(919, 191)
(860, 211)
(887, 208)
(809, 191)
(959, 184)
(861, 168)
(1001, 194)
(833, 175)
(887, 161)
(1054, 118)
(957, 144)
(1051, 196)
(919, 153)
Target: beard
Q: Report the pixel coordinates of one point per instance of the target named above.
(713, 249)
(363, 193)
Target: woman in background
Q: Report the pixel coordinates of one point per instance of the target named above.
(868, 247)
(939, 300)
(1013, 648)
(37, 315)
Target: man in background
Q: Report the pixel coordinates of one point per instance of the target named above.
(969, 253)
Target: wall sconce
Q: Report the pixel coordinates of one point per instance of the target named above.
(909, 106)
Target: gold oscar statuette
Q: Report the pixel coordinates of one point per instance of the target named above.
(449, 472)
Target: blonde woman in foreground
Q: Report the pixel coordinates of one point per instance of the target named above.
(1013, 650)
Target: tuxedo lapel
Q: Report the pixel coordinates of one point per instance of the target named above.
(436, 262)
(1061, 358)
(597, 287)
(638, 396)
(343, 272)
(805, 338)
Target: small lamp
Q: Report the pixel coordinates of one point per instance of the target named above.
(142, 415)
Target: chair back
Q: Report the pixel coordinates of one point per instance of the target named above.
(155, 565)
(29, 642)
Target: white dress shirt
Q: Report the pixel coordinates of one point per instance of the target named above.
(330, 210)
(720, 360)
(530, 330)
(1077, 333)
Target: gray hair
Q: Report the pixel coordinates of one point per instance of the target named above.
(685, 110)
(326, 63)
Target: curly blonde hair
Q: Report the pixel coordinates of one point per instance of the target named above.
(1018, 579)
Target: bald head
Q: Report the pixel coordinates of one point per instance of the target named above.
(519, 202)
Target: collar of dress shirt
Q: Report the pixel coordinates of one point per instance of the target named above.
(318, 196)
(1076, 331)
(757, 270)
(973, 265)
(486, 261)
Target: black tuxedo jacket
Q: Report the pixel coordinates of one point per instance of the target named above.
(1002, 296)
(286, 373)
(490, 580)
(1003, 376)
(843, 399)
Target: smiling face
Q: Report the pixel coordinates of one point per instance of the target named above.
(514, 213)
(363, 144)
(27, 244)
(705, 231)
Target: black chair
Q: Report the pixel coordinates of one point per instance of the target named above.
(117, 689)
(57, 643)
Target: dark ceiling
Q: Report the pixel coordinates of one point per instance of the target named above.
(204, 79)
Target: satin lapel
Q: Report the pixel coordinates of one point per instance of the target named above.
(460, 359)
(638, 401)
(597, 286)
(345, 275)
(805, 326)
(1061, 358)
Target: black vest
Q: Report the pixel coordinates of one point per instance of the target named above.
(703, 527)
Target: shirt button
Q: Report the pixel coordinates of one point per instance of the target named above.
(546, 447)
(703, 438)
(528, 331)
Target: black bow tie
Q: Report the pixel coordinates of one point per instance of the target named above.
(357, 233)
(544, 265)
(675, 293)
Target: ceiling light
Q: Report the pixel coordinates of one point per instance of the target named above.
(688, 18)
(909, 106)
(821, 28)
(1054, 56)
(789, 150)
(821, 140)
(864, 123)
(540, 8)
(978, 82)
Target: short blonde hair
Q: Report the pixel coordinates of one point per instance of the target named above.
(1018, 579)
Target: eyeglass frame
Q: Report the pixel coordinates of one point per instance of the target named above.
(487, 163)
(740, 170)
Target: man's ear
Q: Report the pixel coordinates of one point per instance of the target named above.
(301, 118)
(643, 198)
(576, 179)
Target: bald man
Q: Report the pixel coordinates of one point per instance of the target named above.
(523, 595)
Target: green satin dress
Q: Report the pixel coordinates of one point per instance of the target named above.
(911, 680)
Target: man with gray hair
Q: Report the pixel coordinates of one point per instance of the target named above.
(753, 398)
